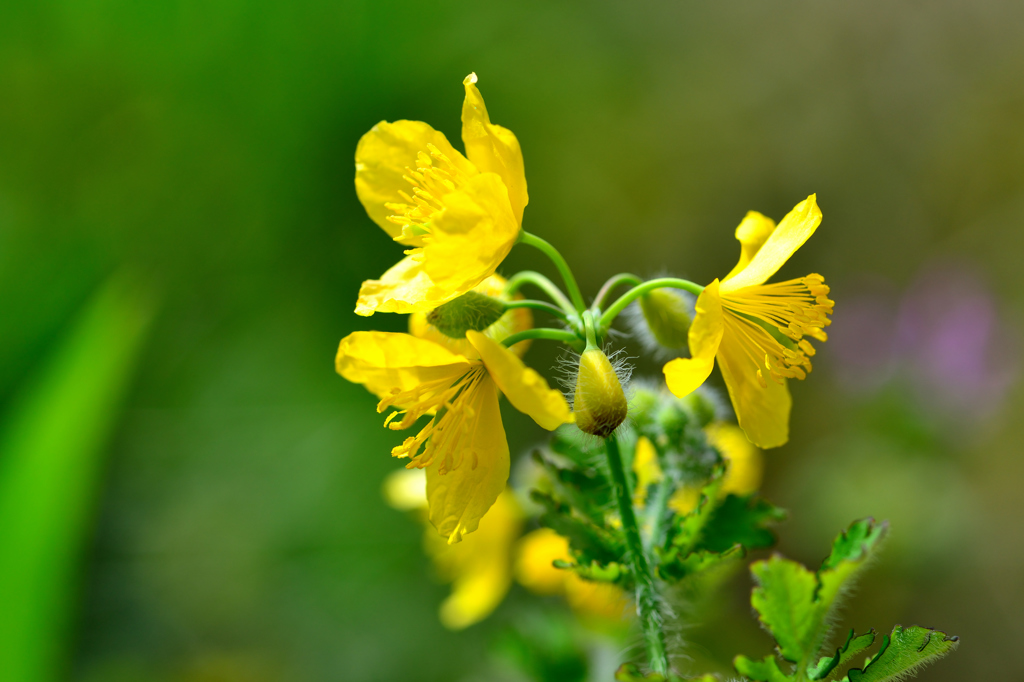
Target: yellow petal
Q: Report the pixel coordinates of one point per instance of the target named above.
(745, 460)
(752, 233)
(534, 561)
(384, 361)
(385, 155)
(646, 467)
(525, 389)
(404, 288)
(492, 148)
(460, 497)
(472, 235)
(763, 412)
(684, 375)
(480, 567)
(795, 229)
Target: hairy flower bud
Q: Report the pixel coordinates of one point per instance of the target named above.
(472, 310)
(666, 317)
(600, 403)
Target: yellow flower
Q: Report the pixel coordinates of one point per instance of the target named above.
(535, 570)
(480, 568)
(744, 466)
(463, 446)
(757, 330)
(459, 214)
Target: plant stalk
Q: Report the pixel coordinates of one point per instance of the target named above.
(560, 263)
(646, 593)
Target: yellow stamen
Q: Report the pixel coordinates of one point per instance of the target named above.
(430, 183)
(796, 308)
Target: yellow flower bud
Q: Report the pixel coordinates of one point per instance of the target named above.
(600, 404)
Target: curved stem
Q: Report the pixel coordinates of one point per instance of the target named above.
(609, 315)
(541, 282)
(563, 267)
(588, 324)
(646, 593)
(539, 305)
(542, 333)
(611, 284)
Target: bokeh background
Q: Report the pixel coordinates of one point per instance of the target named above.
(189, 492)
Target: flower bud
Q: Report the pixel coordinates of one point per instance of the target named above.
(472, 310)
(600, 403)
(665, 317)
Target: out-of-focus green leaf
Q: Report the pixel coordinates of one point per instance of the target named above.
(50, 459)
(765, 670)
(631, 673)
(740, 521)
(902, 652)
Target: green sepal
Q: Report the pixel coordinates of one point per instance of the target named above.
(628, 672)
(765, 670)
(472, 310)
(902, 652)
(852, 647)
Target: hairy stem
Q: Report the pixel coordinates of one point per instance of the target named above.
(562, 266)
(636, 292)
(646, 593)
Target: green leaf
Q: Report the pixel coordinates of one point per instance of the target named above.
(784, 600)
(740, 521)
(795, 605)
(676, 568)
(765, 670)
(852, 647)
(590, 541)
(903, 651)
(51, 454)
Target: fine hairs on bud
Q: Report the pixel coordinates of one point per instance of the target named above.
(660, 320)
(472, 310)
(598, 397)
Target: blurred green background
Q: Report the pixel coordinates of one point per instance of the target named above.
(189, 492)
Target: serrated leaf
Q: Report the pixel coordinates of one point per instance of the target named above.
(765, 670)
(902, 652)
(784, 600)
(852, 647)
(592, 542)
(687, 529)
(795, 604)
(740, 520)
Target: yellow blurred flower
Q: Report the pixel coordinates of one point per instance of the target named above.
(535, 570)
(744, 466)
(480, 568)
(460, 215)
(463, 446)
(646, 467)
(755, 328)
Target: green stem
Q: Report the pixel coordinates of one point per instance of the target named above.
(588, 326)
(539, 305)
(544, 284)
(646, 593)
(563, 267)
(611, 284)
(656, 511)
(609, 315)
(542, 333)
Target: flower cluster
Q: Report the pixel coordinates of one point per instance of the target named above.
(671, 493)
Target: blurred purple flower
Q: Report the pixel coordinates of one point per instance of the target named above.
(943, 336)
